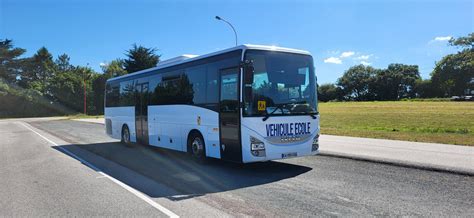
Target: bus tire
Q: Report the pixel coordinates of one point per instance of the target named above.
(125, 139)
(197, 147)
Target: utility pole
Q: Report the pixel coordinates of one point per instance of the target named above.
(235, 32)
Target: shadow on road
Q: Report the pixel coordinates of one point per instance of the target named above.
(176, 171)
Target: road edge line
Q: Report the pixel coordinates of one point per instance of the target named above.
(118, 182)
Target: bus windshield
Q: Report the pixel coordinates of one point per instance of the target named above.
(278, 83)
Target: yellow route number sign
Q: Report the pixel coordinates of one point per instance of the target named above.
(262, 105)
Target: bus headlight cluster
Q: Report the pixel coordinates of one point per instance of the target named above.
(257, 147)
(315, 145)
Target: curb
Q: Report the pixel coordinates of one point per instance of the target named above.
(421, 166)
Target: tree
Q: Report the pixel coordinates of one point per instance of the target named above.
(114, 68)
(67, 88)
(355, 82)
(10, 63)
(140, 58)
(453, 74)
(329, 91)
(19, 102)
(62, 63)
(395, 82)
(425, 89)
(45, 87)
(98, 87)
(39, 71)
(466, 42)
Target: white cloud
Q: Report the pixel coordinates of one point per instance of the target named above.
(355, 57)
(102, 64)
(333, 60)
(347, 54)
(363, 57)
(442, 38)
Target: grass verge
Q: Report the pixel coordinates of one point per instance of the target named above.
(422, 121)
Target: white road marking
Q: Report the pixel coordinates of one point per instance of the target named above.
(123, 185)
(344, 199)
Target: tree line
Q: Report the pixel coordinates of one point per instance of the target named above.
(452, 75)
(42, 85)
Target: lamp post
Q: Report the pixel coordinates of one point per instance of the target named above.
(235, 33)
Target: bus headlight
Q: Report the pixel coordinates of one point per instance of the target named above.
(257, 147)
(315, 145)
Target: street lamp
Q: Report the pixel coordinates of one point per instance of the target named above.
(235, 33)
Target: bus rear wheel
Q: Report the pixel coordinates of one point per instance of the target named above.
(197, 147)
(125, 135)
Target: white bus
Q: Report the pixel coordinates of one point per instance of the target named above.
(245, 104)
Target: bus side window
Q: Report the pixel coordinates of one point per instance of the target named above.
(197, 78)
(212, 89)
(127, 93)
(112, 95)
(155, 81)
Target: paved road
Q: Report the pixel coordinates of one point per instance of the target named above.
(37, 180)
(44, 180)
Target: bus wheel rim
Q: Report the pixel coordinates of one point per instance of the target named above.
(126, 135)
(197, 147)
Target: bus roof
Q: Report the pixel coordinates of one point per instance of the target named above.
(188, 58)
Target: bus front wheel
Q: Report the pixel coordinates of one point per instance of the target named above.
(197, 147)
(125, 135)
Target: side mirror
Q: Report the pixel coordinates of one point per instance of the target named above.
(248, 93)
(248, 74)
(248, 79)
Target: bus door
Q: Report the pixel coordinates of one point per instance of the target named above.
(229, 117)
(141, 113)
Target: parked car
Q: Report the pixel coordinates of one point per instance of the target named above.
(462, 98)
(456, 98)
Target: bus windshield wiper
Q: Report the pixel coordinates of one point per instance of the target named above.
(313, 115)
(267, 115)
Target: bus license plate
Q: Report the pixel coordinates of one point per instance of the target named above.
(288, 155)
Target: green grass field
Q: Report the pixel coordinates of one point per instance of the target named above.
(440, 122)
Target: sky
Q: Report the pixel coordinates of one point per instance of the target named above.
(339, 34)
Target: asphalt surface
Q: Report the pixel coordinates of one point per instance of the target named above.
(38, 178)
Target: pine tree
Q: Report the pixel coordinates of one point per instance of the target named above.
(140, 58)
